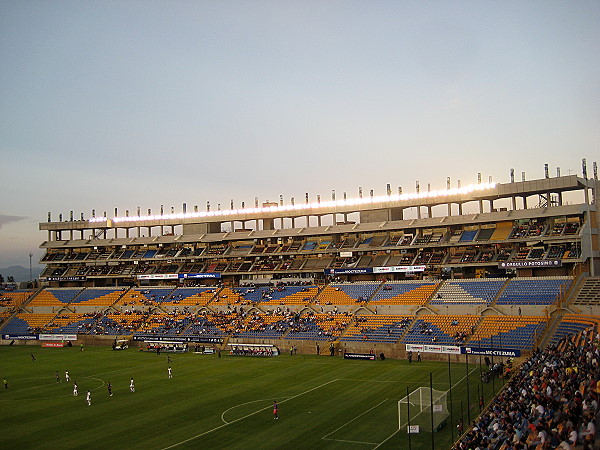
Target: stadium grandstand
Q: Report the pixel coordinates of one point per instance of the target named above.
(507, 264)
(503, 268)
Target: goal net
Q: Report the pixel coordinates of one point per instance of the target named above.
(418, 403)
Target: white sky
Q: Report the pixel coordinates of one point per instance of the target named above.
(108, 104)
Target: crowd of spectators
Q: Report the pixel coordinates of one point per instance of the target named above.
(551, 402)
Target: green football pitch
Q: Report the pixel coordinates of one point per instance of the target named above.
(211, 402)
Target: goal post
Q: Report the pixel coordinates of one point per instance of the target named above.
(418, 404)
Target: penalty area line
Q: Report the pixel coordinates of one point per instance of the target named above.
(349, 422)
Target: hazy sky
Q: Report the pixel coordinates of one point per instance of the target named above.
(108, 104)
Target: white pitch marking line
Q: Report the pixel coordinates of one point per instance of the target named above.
(352, 442)
(381, 381)
(247, 415)
(350, 421)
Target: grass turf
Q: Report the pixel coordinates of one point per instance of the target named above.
(324, 402)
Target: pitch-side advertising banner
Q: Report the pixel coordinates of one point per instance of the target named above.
(58, 337)
(428, 348)
(491, 352)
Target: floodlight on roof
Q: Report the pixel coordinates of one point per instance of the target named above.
(315, 205)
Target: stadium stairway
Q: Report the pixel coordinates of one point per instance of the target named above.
(500, 292)
(586, 294)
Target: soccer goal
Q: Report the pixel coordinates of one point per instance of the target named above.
(418, 403)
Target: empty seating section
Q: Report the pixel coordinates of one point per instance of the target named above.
(192, 296)
(485, 234)
(54, 297)
(533, 291)
(589, 292)
(502, 231)
(405, 293)
(346, 293)
(98, 298)
(572, 324)
(310, 245)
(441, 329)
(478, 291)
(510, 332)
(377, 328)
(468, 235)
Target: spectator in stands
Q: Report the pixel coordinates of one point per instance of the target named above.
(527, 412)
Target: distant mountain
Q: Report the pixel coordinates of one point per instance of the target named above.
(20, 273)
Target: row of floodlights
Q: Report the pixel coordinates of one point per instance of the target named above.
(294, 207)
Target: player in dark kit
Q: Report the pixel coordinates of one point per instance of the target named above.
(109, 389)
(275, 410)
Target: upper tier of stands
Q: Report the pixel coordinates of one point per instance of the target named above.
(493, 291)
(533, 291)
(477, 291)
(54, 297)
